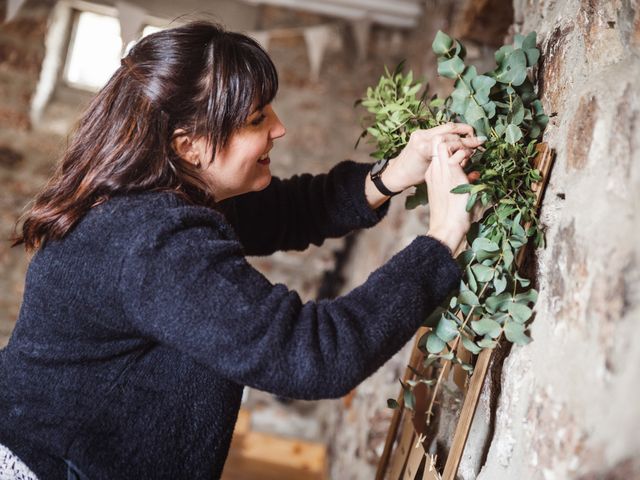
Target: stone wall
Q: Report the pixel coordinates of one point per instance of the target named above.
(567, 405)
(570, 402)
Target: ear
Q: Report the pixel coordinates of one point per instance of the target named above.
(187, 147)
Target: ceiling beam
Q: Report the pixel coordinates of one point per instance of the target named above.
(345, 9)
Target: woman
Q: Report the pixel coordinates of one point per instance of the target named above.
(141, 319)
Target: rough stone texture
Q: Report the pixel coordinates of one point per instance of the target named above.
(568, 407)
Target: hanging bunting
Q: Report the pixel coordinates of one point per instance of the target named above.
(317, 39)
(262, 38)
(12, 9)
(361, 30)
(132, 20)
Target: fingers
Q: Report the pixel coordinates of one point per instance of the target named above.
(459, 128)
(449, 157)
(464, 142)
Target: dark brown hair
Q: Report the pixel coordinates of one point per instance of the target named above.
(197, 77)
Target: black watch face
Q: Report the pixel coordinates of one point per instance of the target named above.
(378, 166)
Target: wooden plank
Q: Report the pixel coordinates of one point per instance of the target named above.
(415, 359)
(466, 415)
(430, 472)
(243, 424)
(269, 457)
(402, 451)
(415, 460)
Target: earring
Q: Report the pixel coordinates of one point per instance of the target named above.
(197, 164)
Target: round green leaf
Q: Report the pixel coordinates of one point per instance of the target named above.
(483, 243)
(470, 345)
(520, 313)
(442, 43)
(446, 330)
(483, 273)
(467, 297)
(451, 68)
(515, 333)
(486, 326)
(512, 133)
(500, 283)
(434, 343)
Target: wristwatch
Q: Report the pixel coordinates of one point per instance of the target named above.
(376, 177)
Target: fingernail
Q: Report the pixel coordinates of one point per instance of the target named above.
(482, 138)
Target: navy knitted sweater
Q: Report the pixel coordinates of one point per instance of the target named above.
(139, 329)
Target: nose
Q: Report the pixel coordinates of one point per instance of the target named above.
(277, 129)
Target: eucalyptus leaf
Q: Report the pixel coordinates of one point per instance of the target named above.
(467, 297)
(409, 398)
(486, 326)
(446, 330)
(512, 133)
(473, 285)
(434, 343)
(520, 313)
(499, 284)
(482, 243)
(515, 333)
(442, 43)
(482, 273)
(451, 68)
(470, 345)
(530, 296)
(487, 342)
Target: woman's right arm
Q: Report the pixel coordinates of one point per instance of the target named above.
(186, 286)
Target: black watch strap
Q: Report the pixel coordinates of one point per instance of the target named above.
(377, 181)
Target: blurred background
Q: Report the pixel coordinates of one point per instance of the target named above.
(562, 407)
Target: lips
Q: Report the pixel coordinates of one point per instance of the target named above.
(264, 158)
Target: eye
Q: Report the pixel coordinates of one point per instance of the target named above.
(258, 120)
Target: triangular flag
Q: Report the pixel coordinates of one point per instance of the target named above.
(361, 30)
(317, 39)
(12, 9)
(262, 38)
(131, 19)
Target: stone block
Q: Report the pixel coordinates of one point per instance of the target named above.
(554, 76)
(580, 132)
(597, 23)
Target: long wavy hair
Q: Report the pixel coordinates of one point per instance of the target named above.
(198, 78)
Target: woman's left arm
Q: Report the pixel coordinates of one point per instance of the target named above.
(291, 214)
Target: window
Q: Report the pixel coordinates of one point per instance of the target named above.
(95, 50)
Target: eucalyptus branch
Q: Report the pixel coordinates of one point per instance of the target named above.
(493, 299)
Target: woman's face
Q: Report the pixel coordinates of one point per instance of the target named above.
(243, 165)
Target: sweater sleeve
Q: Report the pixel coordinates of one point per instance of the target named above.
(292, 213)
(190, 288)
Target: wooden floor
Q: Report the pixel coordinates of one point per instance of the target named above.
(260, 456)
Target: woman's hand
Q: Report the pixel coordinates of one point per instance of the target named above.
(410, 166)
(449, 221)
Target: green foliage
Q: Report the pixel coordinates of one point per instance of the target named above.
(493, 301)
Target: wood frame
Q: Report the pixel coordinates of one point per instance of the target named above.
(403, 459)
